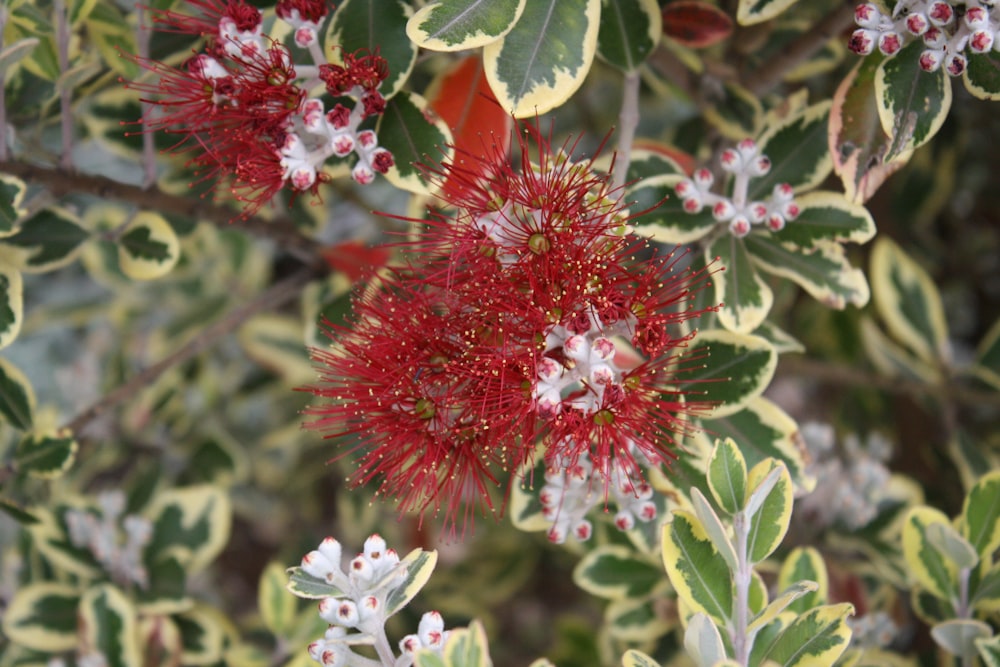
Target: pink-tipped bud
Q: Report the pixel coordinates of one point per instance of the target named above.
(747, 146)
(976, 17)
(549, 369)
(342, 145)
(692, 205)
(956, 65)
(757, 213)
(624, 520)
(304, 37)
(602, 374)
(685, 189)
(867, 15)
(889, 43)
(783, 191)
(981, 41)
(940, 12)
(723, 210)
(776, 223)
(935, 38)
(930, 61)
(303, 177)
(760, 166)
(730, 160)
(315, 564)
(556, 535)
(790, 211)
(603, 348)
(583, 530)
(548, 407)
(739, 226)
(647, 512)
(367, 139)
(576, 347)
(362, 174)
(703, 178)
(862, 41)
(312, 114)
(361, 569)
(917, 24)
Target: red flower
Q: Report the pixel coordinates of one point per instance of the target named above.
(505, 340)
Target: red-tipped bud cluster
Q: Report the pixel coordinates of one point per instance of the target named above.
(525, 327)
(949, 34)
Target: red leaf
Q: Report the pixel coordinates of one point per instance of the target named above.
(480, 126)
(696, 24)
(355, 259)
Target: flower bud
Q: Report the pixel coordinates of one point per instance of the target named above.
(917, 24)
(692, 205)
(723, 210)
(583, 530)
(976, 17)
(889, 43)
(739, 226)
(862, 41)
(930, 60)
(940, 12)
(956, 65)
(867, 15)
(624, 520)
(703, 178)
(776, 222)
(981, 41)
(935, 38)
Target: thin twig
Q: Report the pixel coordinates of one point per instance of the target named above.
(62, 182)
(276, 295)
(628, 120)
(65, 94)
(840, 374)
(763, 79)
(3, 97)
(142, 37)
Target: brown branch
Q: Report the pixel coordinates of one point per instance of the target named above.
(62, 182)
(763, 79)
(838, 374)
(276, 295)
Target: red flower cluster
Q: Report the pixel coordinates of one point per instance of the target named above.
(527, 328)
(239, 111)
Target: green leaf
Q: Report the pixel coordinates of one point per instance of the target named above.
(42, 617)
(17, 398)
(275, 342)
(304, 585)
(981, 514)
(415, 137)
(12, 191)
(817, 637)
(638, 619)
(912, 103)
(932, 570)
(765, 431)
(277, 608)
(47, 240)
(737, 114)
(750, 12)
(727, 476)
(703, 642)
(959, 636)
(463, 24)
(148, 248)
(108, 625)
(614, 572)
(630, 29)
(419, 565)
(769, 523)
(987, 363)
(202, 634)
(952, 545)
(736, 369)
(780, 340)
(891, 359)
(792, 593)
(989, 650)
(798, 150)
(11, 304)
(166, 592)
(190, 523)
(45, 456)
(745, 297)
(467, 647)
(982, 75)
(371, 25)
(713, 528)
(14, 53)
(805, 564)
(17, 512)
(668, 222)
(909, 303)
(858, 143)
(541, 62)
(827, 217)
(823, 271)
(635, 658)
(696, 570)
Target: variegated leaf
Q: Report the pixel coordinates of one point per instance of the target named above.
(982, 75)
(17, 397)
(745, 297)
(11, 304)
(798, 150)
(47, 240)
(927, 564)
(738, 114)
(769, 523)
(193, 521)
(909, 302)
(665, 219)
(637, 619)
(827, 217)
(630, 30)
(727, 475)
(912, 103)
(750, 12)
(419, 565)
(736, 369)
(463, 24)
(980, 522)
(696, 570)
(12, 191)
(805, 564)
(614, 572)
(42, 617)
(107, 620)
(542, 61)
(416, 136)
(148, 247)
(817, 637)
(823, 271)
